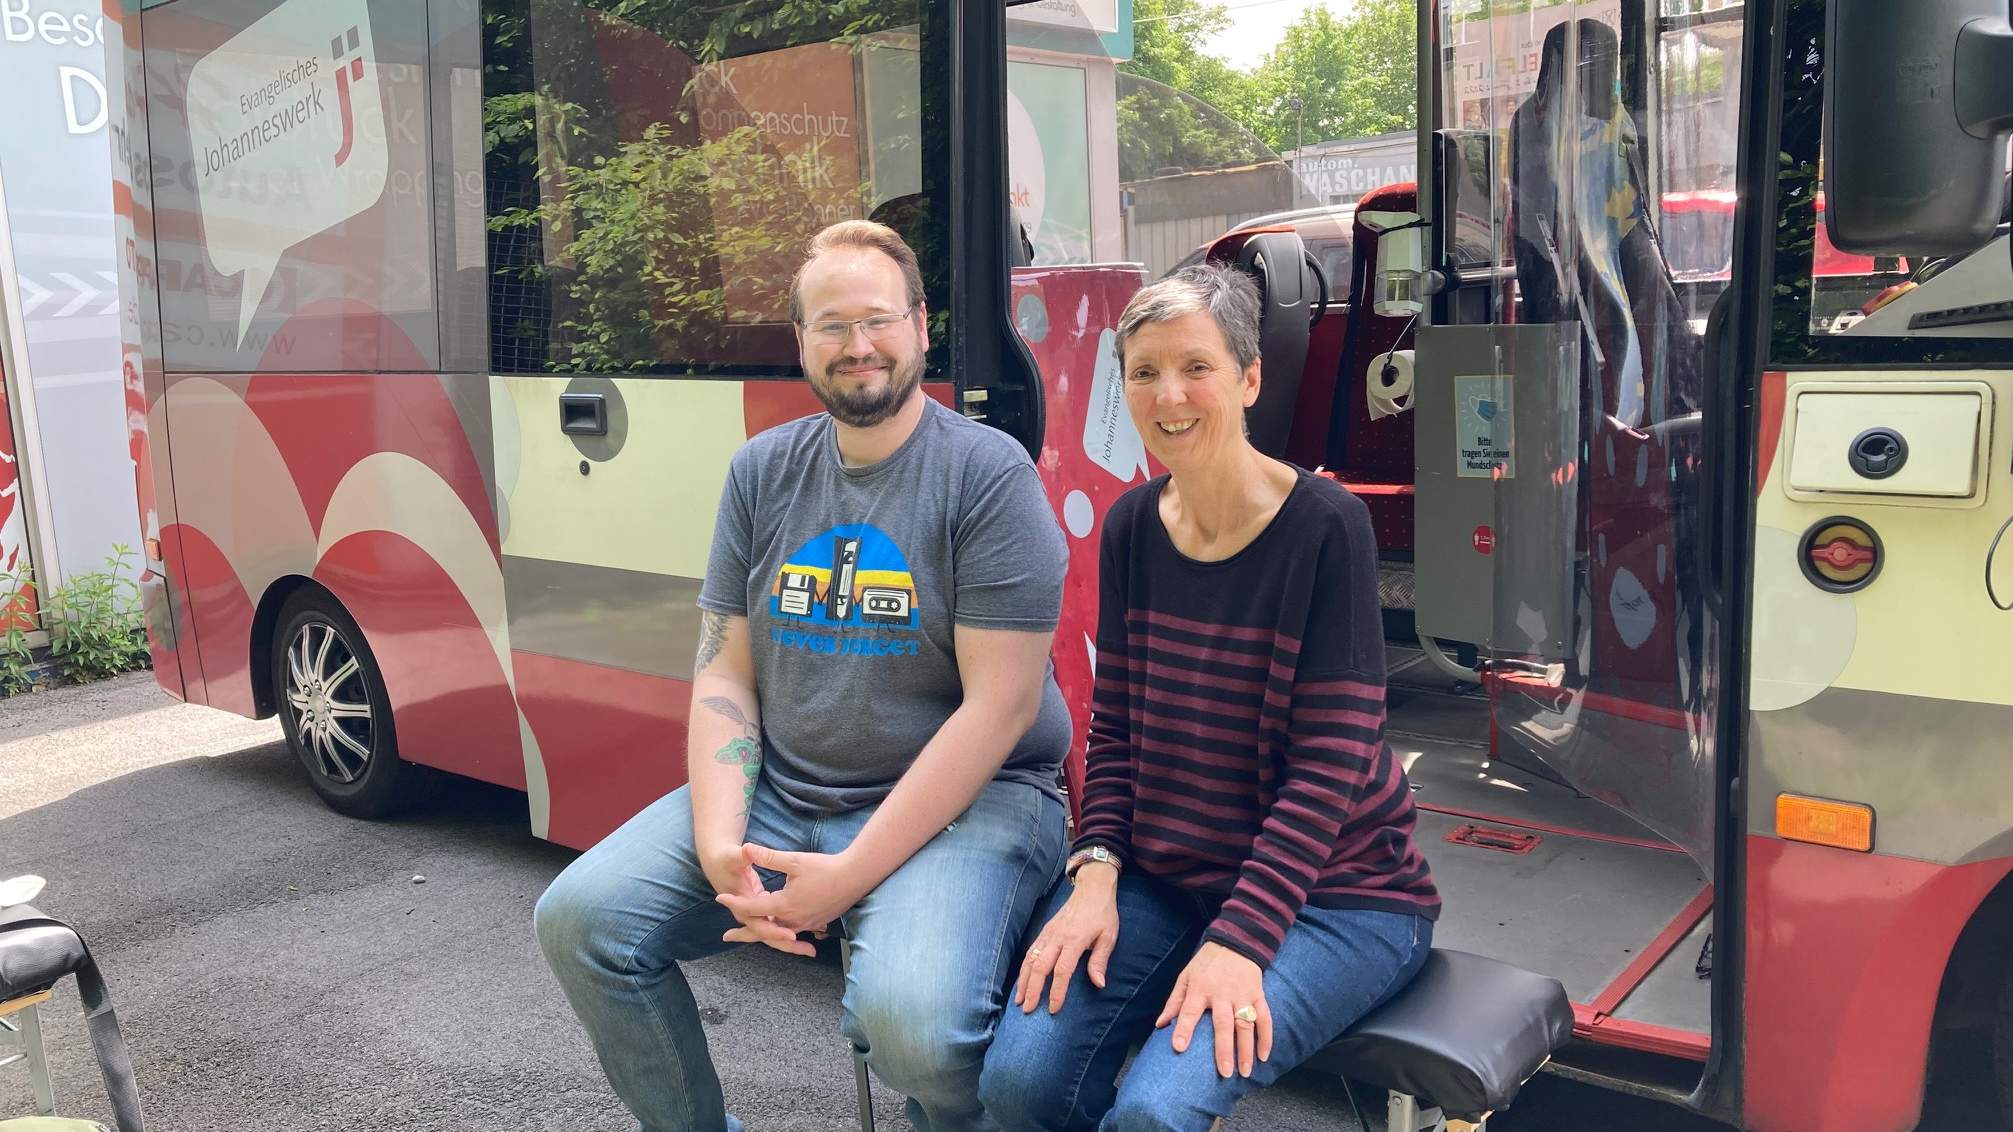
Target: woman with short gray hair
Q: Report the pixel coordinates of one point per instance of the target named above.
(1245, 850)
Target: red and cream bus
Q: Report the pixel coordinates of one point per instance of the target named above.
(444, 318)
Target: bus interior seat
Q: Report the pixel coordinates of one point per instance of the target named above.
(1372, 457)
(1287, 293)
(1647, 303)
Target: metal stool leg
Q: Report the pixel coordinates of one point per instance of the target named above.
(862, 1089)
(38, 1062)
(1403, 1114)
(22, 1025)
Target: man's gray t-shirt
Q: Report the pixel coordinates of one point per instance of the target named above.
(852, 579)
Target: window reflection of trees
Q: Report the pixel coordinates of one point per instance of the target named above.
(628, 234)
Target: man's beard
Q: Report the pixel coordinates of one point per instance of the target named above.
(865, 408)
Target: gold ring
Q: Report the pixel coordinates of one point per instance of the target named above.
(1034, 953)
(1246, 1015)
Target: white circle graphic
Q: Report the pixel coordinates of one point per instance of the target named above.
(1077, 514)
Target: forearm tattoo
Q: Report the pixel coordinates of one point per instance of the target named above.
(712, 638)
(743, 750)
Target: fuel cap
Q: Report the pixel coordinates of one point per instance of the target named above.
(1840, 555)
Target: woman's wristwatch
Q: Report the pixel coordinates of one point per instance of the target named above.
(1097, 853)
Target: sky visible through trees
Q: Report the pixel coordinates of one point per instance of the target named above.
(1330, 75)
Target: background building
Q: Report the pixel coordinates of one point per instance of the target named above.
(66, 468)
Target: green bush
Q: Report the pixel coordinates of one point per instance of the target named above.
(96, 625)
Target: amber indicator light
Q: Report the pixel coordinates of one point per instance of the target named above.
(1841, 825)
(1840, 555)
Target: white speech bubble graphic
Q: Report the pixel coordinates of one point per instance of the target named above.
(1108, 436)
(287, 130)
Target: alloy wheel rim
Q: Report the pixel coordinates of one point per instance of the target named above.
(329, 703)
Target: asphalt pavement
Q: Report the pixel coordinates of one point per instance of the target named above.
(276, 965)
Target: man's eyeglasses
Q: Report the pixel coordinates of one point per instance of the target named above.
(879, 327)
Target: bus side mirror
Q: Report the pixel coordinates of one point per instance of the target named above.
(1918, 102)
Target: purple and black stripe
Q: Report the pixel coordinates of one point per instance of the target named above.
(1236, 742)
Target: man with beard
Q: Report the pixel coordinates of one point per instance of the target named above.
(875, 728)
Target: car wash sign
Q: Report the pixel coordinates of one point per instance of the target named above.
(1340, 172)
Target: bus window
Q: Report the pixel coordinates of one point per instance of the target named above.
(1118, 148)
(1586, 204)
(1670, 75)
(1693, 130)
(654, 173)
(283, 218)
(1834, 307)
(1333, 256)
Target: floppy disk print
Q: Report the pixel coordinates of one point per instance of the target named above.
(852, 576)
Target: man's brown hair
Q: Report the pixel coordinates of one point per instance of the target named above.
(859, 234)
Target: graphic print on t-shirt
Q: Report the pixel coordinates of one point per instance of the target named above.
(849, 577)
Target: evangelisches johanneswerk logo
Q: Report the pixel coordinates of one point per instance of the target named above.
(846, 592)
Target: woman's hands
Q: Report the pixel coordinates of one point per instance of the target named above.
(1088, 921)
(1221, 982)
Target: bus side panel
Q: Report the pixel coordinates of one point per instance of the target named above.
(164, 606)
(605, 546)
(1845, 953)
(1897, 697)
(613, 740)
(444, 672)
(238, 528)
(1091, 454)
(370, 485)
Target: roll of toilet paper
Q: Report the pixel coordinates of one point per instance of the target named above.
(1389, 382)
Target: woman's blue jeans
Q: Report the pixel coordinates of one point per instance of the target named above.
(1057, 1073)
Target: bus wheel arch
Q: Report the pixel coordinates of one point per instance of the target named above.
(1974, 1008)
(265, 623)
(332, 702)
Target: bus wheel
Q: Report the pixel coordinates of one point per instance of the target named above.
(2002, 1048)
(337, 719)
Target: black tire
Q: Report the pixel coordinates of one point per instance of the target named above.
(332, 705)
(2002, 1048)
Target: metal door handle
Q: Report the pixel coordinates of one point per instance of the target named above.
(583, 414)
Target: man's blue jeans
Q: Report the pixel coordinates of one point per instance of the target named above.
(932, 947)
(1057, 1073)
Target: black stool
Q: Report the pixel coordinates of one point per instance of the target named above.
(1456, 1044)
(36, 953)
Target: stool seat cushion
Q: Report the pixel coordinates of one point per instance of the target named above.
(1463, 1036)
(35, 953)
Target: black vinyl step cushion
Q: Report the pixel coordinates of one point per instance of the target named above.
(1464, 1035)
(35, 953)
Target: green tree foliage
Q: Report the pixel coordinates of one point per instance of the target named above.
(1167, 47)
(1355, 75)
(1181, 107)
